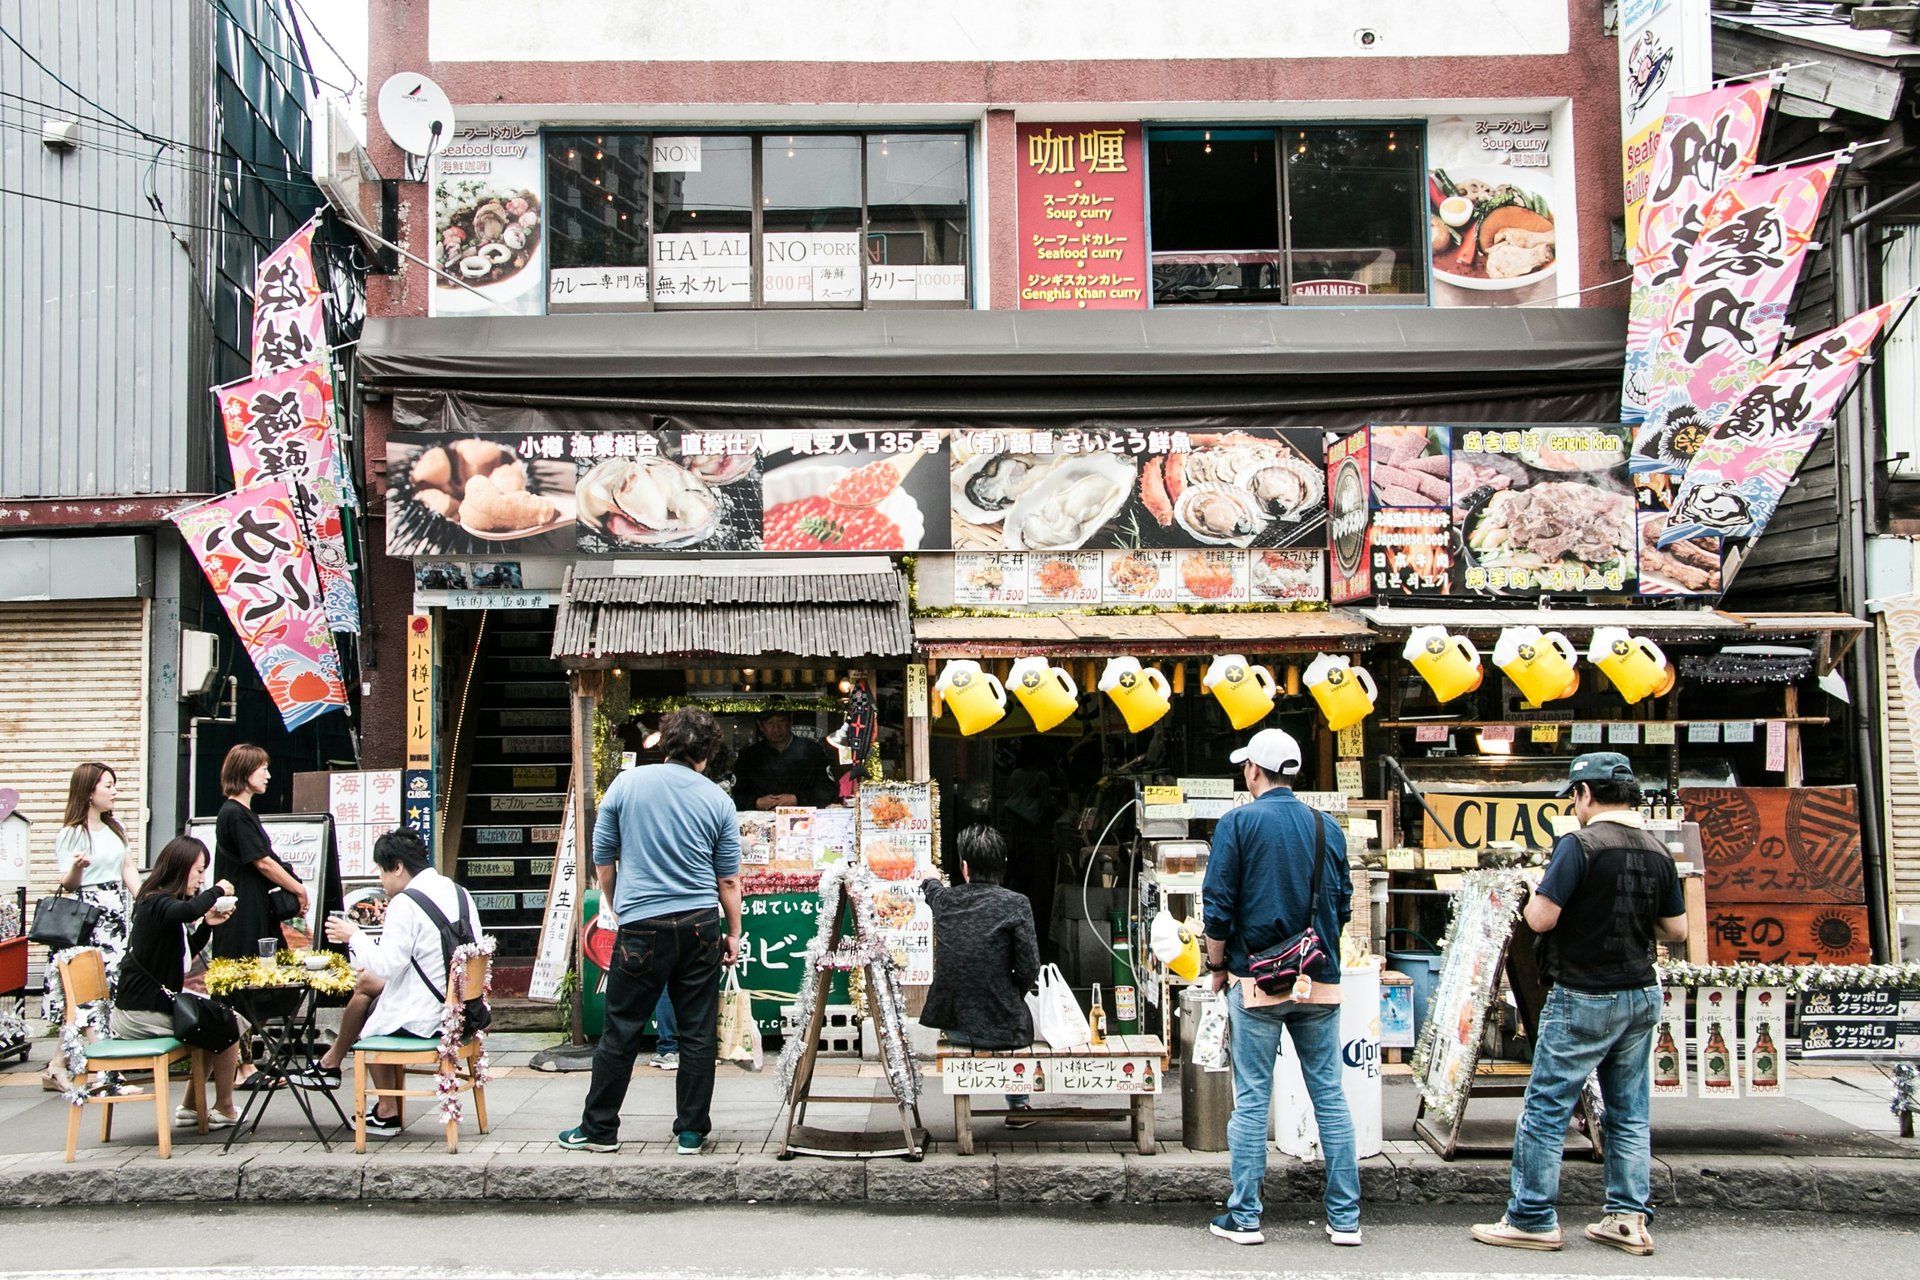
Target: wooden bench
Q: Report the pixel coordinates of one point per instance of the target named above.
(1135, 1066)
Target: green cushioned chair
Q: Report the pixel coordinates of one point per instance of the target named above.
(412, 1053)
(83, 980)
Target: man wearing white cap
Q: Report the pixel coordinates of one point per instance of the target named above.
(1264, 885)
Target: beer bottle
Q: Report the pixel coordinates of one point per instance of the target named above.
(1146, 1080)
(1666, 1060)
(1097, 1018)
(1039, 1078)
(1766, 1060)
(1719, 1061)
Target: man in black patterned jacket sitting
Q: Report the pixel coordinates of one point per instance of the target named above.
(985, 955)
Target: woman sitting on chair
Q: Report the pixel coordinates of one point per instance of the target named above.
(158, 953)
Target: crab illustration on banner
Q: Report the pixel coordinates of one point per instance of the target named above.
(1141, 693)
(1540, 663)
(1708, 140)
(1047, 692)
(1751, 455)
(250, 547)
(1244, 691)
(1449, 664)
(289, 327)
(975, 697)
(1635, 664)
(1346, 693)
(1729, 312)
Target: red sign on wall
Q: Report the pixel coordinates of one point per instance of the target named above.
(1083, 217)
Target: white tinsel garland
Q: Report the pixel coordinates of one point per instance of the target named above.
(1906, 1097)
(13, 1029)
(1794, 977)
(453, 1027)
(71, 1062)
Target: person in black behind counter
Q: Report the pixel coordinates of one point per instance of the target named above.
(985, 955)
(781, 769)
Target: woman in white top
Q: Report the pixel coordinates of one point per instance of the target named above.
(91, 851)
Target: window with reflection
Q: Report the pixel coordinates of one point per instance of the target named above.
(597, 222)
(916, 239)
(703, 221)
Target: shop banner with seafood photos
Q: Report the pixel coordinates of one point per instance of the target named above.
(1729, 309)
(1706, 141)
(1507, 510)
(250, 546)
(1082, 205)
(489, 187)
(1173, 511)
(899, 843)
(1493, 184)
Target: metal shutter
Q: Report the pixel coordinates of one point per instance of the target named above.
(1902, 774)
(73, 688)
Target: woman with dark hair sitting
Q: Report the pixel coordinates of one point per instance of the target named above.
(172, 920)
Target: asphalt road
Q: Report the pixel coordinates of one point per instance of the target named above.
(522, 1242)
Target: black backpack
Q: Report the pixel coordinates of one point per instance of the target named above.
(475, 1015)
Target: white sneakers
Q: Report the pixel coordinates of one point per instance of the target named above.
(1625, 1231)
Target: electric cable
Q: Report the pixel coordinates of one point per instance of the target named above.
(1086, 883)
(101, 121)
(55, 76)
(181, 166)
(339, 57)
(139, 217)
(307, 70)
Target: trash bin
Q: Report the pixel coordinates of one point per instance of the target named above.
(1206, 1097)
(1293, 1125)
(1423, 967)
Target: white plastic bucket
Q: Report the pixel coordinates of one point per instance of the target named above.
(1294, 1129)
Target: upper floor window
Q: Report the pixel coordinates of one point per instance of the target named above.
(642, 222)
(1298, 214)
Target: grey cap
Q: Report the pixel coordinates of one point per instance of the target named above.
(1599, 766)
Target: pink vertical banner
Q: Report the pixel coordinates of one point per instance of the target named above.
(288, 325)
(1708, 140)
(1730, 311)
(250, 547)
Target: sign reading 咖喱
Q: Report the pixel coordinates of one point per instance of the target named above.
(1082, 220)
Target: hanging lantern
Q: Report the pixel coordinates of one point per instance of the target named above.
(1244, 691)
(1540, 663)
(977, 699)
(1141, 693)
(1048, 693)
(1449, 664)
(1634, 663)
(1346, 693)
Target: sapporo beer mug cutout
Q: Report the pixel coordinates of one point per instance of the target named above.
(1141, 693)
(1540, 663)
(1244, 691)
(1634, 664)
(1047, 692)
(975, 697)
(1346, 693)
(1448, 663)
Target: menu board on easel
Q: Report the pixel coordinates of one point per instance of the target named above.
(304, 841)
(1475, 949)
(898, 841)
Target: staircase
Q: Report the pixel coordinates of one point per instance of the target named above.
(518, 768)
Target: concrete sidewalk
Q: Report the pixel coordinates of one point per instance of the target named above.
(1831, 1145)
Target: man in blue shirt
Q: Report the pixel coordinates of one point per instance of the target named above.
(1609, 893)
(1259, 891)
(666, 852)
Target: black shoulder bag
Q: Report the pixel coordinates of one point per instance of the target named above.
(1276, 969)
(475, 1015)
(199, 1021)
(61, 922)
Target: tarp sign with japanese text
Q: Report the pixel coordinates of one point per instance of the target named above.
(1082, 217)
(251, 549)
(288, 326)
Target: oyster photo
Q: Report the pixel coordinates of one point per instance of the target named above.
(1220, 514)
(1069, 504)
(648, 502)
(986, 486)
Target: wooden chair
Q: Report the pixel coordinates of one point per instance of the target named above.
(410, 1053)
(83, 980)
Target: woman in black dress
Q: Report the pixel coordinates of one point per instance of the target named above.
(243, 857)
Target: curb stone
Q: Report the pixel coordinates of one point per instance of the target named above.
(763, 1177)
(1746, 1182)
(673, 1178)
(453, 1177)
(1866, 1185)
(938, 1179)
(291, 1180)
(548, 1177)
(1061, 1179)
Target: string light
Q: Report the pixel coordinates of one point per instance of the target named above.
(1208, 139)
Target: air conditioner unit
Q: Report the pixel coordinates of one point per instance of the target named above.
(199, 663)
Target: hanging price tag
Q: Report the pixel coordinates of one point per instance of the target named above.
(1497, 733)
(1161, 795)
(1352, 740)
(1347, 774)
(1736, 731)
(1403, 860)
(1363, 828)
(1546, 733)
(1584, 734)
(1709, 732)
(1776, 746)
(1430, 733)
(1659, 735)
(1623, 733)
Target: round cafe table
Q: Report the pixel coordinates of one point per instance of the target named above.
(282, 1012)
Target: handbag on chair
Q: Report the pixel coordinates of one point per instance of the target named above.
(63, 922)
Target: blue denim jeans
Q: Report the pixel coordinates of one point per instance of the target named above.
(1254, 1041)
(665, 1026)
(1580, 1033)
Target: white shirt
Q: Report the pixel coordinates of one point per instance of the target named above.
(106, 853)
(407, 1005)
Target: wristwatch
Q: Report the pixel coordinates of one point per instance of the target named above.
(1216, 968)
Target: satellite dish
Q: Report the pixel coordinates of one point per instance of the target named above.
(416, 114)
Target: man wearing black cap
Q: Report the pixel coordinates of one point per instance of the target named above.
(781, 769)
(1609, 893)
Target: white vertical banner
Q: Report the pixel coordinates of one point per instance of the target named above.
(1714, 1035)
(556, 927)
(1765, 1032)
(1902, 617)
(1668, 1064)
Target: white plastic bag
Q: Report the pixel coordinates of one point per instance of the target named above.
(1057, 1018)
(739, 1033)
(1210, 1037)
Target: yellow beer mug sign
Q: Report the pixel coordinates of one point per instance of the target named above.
(1141, 693)
(1048, 693)
(1449, 664)
(1540, 663)
(1634, 663)
(977, 700)
(1245, 692)
(1346, 693)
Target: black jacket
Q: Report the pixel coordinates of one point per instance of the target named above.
(158, 949)
(985, 958)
